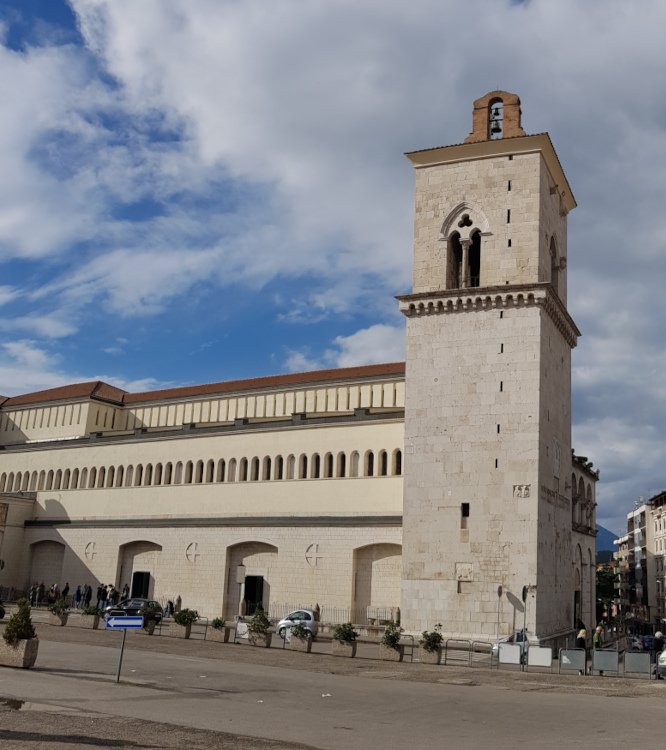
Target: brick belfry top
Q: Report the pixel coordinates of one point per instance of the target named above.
(487, 490)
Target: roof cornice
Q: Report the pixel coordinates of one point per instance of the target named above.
(524, 144)
(489, 298)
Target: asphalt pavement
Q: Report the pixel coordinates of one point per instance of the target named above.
(328, 710)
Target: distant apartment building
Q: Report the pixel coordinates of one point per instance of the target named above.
(640, 559)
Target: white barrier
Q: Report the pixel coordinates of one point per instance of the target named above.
(540, 656)
(572, 658)
(509, 653)
(637, 664)
(605, 661)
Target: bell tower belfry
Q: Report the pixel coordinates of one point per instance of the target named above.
(488, 369)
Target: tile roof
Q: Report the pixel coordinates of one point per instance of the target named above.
(271, 381)
(97, 389)
(106, 392)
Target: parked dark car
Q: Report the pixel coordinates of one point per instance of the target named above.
(132, 607)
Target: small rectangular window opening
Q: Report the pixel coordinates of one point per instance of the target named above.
(508, 216)
(509, 185)
(498, 429)
(501, 313)
(496, 464)
(501, 385)
(509, 243)
(501, 348)
(510, 157)
(464, 515)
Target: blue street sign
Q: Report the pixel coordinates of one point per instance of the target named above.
(124, 623)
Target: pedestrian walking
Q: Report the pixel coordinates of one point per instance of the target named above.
(33, 594)
(78, 596)
(581, 642)
(598, 642)
(179, 603)
(87, 598)
(126, 591)
(65, 591)
(100, 597)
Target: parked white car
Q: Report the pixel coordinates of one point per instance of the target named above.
(307, 617)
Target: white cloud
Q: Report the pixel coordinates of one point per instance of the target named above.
(302, 112)
(26, 367)
(298, 361)
(379, 343)
(7, 294)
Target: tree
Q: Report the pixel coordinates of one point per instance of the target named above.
(606, 583)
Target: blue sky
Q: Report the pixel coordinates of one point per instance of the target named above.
(201, 190)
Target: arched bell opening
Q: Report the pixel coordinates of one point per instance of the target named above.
(475, 260)
(495, 119)
(454, 270)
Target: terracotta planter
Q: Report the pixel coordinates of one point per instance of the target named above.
(431, 657)
(89, 621)
(391, 654)
(341, 648)
(301, 644)
(58, 619)
(218, 635)
(179, 631)
(259, 639)
(23, 655)
(149, 626)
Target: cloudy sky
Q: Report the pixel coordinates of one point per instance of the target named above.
(200, 190)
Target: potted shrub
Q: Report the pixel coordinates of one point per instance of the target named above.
(344, 640)
(390, 648)
(301, 638)
(58, 612)
(90, 618)
(149, 614)
(258, 633)
(181, 627)
(218, 631)
(19, 644)
(431, 645)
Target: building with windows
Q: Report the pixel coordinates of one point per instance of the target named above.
(422, 485)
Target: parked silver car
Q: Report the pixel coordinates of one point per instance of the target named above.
(307, 617)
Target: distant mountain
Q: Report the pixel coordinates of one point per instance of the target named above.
(605, 539)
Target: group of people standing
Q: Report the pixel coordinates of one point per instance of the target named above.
(106, 594)
(109, 595)
(38, 593)
(598, 644)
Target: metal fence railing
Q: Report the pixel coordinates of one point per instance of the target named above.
(366, 616)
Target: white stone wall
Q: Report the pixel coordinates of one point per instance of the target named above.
(462, 385)
(312, 564)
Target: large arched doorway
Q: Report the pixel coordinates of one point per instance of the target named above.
(260, 562)
(377, 581)
(139, 567)
(46, 563)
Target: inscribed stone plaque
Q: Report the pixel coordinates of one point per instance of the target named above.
(464, 571)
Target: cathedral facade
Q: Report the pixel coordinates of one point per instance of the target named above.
(444, 488)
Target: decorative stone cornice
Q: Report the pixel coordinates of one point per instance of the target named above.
(477, 299)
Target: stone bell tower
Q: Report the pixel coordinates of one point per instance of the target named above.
(488, 405)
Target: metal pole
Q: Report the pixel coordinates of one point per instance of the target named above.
(499, 603)
(120, 661)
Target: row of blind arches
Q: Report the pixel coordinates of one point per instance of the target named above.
(200, 472)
